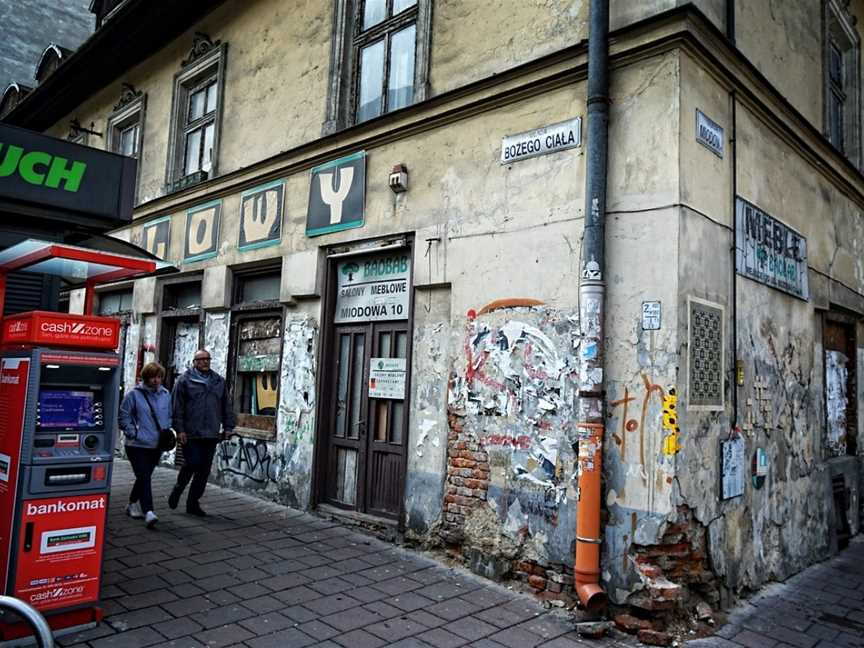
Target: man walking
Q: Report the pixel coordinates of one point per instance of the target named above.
(201, 406)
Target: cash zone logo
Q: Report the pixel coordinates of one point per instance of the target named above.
(18, 327)
(56, 593)
(78, 328)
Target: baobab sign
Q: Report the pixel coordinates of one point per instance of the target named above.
(337, 195)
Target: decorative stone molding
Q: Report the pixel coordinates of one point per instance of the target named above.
(128, 94)
(201, 45)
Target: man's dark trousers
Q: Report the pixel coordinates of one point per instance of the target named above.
(198, 458)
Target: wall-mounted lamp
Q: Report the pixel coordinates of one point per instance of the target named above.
(399, 178)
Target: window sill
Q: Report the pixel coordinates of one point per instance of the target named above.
(253, 433)
(188, 181)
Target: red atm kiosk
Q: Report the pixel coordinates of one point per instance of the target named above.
(59, 380)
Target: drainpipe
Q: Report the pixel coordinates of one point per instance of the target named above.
(592, 292)
(730, 21)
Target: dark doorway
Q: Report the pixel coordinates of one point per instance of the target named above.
(840, 386)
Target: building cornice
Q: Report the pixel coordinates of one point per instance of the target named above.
(680, 29)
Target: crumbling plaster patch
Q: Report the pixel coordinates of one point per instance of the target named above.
(281, 469)
(514, 387)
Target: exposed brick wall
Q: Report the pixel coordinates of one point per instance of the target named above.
(676, 571)
(549, 582)
(467, 483)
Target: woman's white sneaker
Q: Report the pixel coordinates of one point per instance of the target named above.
(134, 511)
(150, 519)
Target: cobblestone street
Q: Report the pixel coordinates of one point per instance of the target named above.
(822, 607)
(257, 574)
(260, 575)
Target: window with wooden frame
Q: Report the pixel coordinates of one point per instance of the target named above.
(256, 351)
(125, 125)
(196, 115)
(125, 128)
(842, 88)
(379, 59)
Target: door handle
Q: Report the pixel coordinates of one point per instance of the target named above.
(361, 428)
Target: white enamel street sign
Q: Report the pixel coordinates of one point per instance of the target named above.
(549, 139)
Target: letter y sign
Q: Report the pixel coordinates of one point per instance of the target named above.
(334, 199)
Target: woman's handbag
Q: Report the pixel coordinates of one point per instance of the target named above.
(167, 437)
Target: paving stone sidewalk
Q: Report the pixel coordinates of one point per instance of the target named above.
(260, 575)
(822, 607)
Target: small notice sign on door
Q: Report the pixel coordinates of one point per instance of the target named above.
(387, 378)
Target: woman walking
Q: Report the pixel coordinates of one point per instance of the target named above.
(143, 413)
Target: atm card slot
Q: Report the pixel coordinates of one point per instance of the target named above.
(68, 440)
(67, 476)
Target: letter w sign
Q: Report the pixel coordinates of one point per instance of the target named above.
(337, 195)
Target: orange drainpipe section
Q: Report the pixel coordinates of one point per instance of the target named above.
(588, 538)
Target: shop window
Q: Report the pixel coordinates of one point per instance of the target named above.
(256, 351)
(182, 296)
(842, 89)
(379, 59)
(196, 117)
(115, 302)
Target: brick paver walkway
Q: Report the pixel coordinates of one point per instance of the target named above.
(822, 607)
(260, 575)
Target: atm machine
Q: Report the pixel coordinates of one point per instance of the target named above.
(59, 387)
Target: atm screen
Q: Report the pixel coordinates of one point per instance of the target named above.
(68, 409)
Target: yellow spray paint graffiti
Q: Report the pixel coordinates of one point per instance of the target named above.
(671, 443)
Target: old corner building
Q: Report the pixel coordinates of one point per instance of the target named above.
(377, 208)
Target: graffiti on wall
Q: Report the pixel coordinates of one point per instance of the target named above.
(250, 459)
(631, 425)
(280, 466)
(672, 441)
(516, 386)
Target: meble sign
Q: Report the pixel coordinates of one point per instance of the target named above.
(769, 251)
(549, 139)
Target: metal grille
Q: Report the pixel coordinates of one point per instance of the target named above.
(706, 356)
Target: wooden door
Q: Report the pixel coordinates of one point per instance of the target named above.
(388, 425)
(347, 425)
(367, 435)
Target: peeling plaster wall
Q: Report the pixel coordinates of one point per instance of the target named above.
(514, 384)
(776, 530)
(273, 48)
(216, 335)
(281, 469)
(642, 368)
(427, 436)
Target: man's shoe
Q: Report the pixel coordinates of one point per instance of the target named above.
(174, 497)
(195, 510)
(134, 511)
(150, 519)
